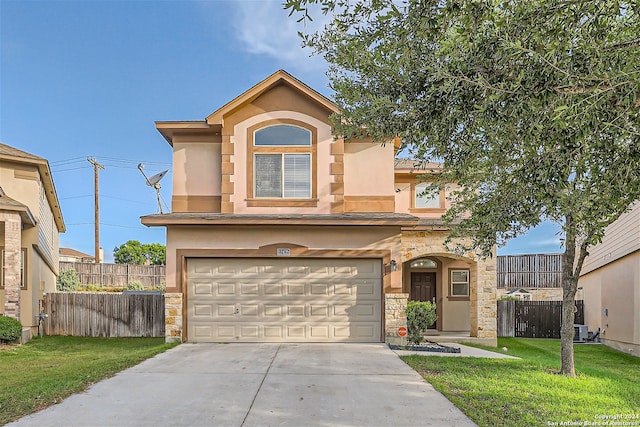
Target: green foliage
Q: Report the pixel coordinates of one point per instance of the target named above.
(67, 281)
(46, 370)
(10, 329)
(135, 285)
(98, 288)
(162, 287)
(420, 315)
(532, 107)
(134, 252)
(507, 298)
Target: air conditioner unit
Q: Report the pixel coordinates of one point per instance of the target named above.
(581, 333)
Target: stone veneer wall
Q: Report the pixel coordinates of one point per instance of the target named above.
(12, 244)
(395, 315)
(173, 317)
(482, 292)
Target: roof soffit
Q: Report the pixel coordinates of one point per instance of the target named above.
(13, 155)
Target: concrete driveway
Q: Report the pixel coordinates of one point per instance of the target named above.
(260, 385)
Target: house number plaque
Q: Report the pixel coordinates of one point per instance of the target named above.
(283, 252)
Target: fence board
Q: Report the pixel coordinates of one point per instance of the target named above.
(117, 275)
(104, 314)
(529, 271)
(533, 319)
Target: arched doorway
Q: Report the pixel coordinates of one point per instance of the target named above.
(423, 282)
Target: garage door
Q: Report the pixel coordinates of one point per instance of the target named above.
(283, 300)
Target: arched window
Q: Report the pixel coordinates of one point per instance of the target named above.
(423, 263)
(282, 162)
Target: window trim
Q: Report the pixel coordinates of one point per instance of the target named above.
(451, 296)
(252, 150)
(23, 268)
(413, 207)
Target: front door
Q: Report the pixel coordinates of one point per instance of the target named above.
(423, 288)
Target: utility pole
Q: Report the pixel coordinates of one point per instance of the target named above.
(96, 166)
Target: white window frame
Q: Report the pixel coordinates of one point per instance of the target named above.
(283, 172)
(435, 202)
(458, 282)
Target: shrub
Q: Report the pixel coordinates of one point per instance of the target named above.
(67, 281)
(162, 287)
(507, 298)
(135, 285)
(420, 315)
(10, 329)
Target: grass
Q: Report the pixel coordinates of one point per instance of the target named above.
(530, 392)
(45, 371)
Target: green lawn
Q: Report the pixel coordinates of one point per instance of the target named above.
(45, 371)
(529, 392)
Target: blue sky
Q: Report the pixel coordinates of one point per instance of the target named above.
(88, 78)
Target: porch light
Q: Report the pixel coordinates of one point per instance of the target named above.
(394, 265)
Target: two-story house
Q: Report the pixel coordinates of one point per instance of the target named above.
(281, 232)
(30, 223)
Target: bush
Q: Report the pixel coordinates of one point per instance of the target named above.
(135, 285)
(10, 329)
(420, 315)
(67, 281)
(162, 287)
(507, 298)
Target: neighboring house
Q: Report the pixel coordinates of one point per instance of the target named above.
(72, 255)
(610, 281)
(30, 223)
(279, 232)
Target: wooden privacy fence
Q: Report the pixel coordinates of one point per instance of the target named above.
(119, 275)
(533, 319)
(104, 314)
(529, 271)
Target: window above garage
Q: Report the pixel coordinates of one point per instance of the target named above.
(282, 164)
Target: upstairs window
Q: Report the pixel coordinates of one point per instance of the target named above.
(282, 164)
(424, 199)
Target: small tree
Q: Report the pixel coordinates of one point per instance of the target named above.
(134, 252)
(420, 315)
(67, 281)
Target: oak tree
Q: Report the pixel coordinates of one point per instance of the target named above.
(532, 106)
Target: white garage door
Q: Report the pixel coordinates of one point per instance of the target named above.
(283, 300)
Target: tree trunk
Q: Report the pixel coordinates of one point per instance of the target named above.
(569, 287)
(571, 268)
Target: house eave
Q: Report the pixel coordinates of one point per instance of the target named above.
(364, 219)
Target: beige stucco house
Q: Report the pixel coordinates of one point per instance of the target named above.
(280, 232)
(30, 220)
(610, 281)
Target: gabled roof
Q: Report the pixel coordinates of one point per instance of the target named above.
(276, 78)
(417, 166)
(11, 154)
(9, 204)
(74, 253)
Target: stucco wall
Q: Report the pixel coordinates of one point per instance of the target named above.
(322, 161)
(328, 238)
(612, 302)
(196, 169)
(368, 169)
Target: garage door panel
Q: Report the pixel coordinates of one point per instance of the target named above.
(297, 300)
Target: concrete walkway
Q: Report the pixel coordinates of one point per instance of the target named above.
(260, 385)
(465, 351)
